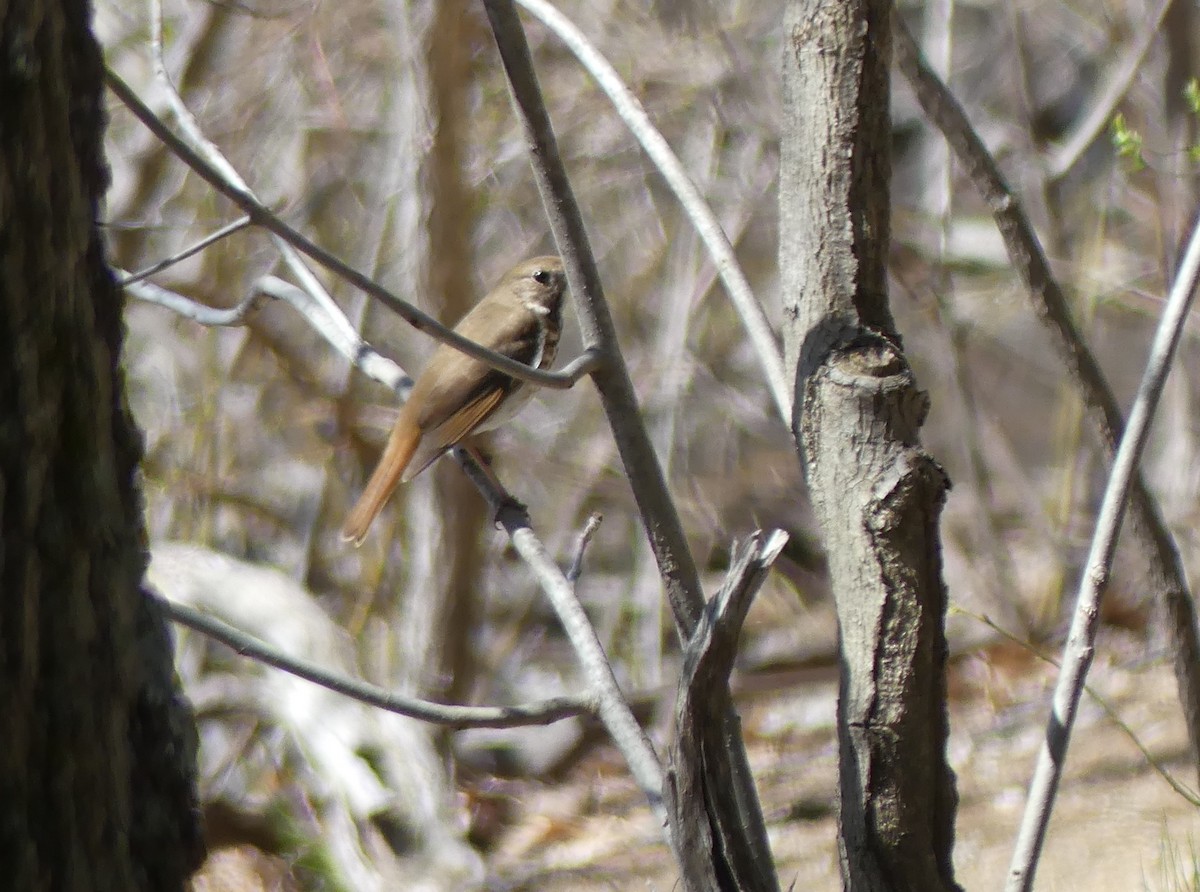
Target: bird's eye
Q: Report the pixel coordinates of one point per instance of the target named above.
(541, 276)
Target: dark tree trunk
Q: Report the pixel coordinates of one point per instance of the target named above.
(97, 754)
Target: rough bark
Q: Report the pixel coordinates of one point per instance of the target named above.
(857, 415)
(97, 762)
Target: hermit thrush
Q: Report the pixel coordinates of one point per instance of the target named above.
(456, 395)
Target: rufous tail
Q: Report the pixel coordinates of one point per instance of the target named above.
(396, 455)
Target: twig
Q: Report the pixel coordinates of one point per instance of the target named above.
(227, 230)
(1191, 796)
(214, 317)
(1068, 153)
(762, 336)
(612, 708)
(456, 717)
(1080, 647)
(585, 537)
(586, 363)
(1027, 256)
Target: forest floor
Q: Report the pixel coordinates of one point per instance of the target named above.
(1117, 825)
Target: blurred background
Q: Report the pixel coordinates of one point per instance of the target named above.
(383, 130)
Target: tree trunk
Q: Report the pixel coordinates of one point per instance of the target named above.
(454, 34)
(97, 764)
(857, 415)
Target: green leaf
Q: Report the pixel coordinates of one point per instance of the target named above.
(1128, 142)
(1191, 92)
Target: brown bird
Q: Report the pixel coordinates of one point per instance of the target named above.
(456, 395)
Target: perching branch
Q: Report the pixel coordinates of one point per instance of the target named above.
(762, 336)
(726, 771)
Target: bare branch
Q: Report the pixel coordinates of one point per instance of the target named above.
(214, 317)
(662, 523)
(371, 363)
(585, 364)
(1025, 252)
(206, 149)
(762, 336)
(611, 706)
(226, 230)
(585, 537)
(456, 717)
(1081, 642)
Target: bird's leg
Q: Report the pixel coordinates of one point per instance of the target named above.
(499, 498)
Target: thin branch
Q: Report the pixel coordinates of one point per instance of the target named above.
(585, 537)
(726, 769)
(213, 317)
(762, 336)
(370, 362)
(611, 705)
(667, 539)
(1191, 796)
(456, 717)
(227, 230)
(1080, 647)
(206, 149)
(586, 363)
(1068, 153)
(1025, 252)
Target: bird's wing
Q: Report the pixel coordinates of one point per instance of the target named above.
(446, 382)
(453, 430)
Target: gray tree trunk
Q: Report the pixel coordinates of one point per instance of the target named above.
(856, 420)
(97, 757)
